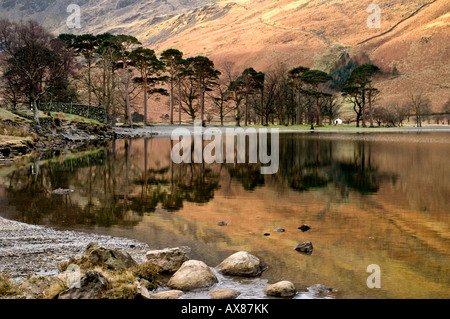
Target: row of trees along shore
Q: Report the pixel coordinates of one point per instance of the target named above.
(111, 71)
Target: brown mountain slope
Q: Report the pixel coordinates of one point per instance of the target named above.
(98, 16)
(263, 33)
(315, 33)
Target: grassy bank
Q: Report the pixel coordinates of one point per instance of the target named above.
(15, 134)
(19, 136)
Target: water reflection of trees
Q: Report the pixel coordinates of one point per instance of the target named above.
(111, 188)
(311, 163)
(174, 184)
(119, 184)
(304, 162)
(249, 175)
(359, 174)
(30, 192)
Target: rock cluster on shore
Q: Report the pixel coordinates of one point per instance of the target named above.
(111, 273)
(39, 257)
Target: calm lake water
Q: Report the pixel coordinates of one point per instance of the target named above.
(378, 199)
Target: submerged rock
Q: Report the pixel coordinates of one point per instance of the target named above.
(167, 295)
(222, 294)
(283, 289)
(305, 228)
(320, 289)
(193, 274)
(61, 191)
(305, 248)
(242, 264)
(223, 224)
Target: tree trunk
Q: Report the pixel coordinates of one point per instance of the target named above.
(104, 95)
(127, 93)
(262, 104)
(318, 110)
(371, 108)
(172, 102)
(238, 114)
(89, 81)
(202, 103)
(36, 113)
(363, 111)
(111, 95)
(179, 102)
(246, 109)
(319, 113)
(145, 103)
(299, 110)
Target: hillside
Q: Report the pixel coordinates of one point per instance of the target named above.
(316, 33)
(118, 16)
(413, 37)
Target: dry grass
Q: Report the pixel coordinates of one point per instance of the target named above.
(9, 129)
(147, 272)
(121, 282)
(7, 288)
(55, 289)
(121, 285)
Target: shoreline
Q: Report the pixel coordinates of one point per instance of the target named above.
(165, 131)
(31, 250)
(60, 142)
(31, 253)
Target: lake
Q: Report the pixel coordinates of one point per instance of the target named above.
(371, 199)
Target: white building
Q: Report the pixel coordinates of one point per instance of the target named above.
(338, 122)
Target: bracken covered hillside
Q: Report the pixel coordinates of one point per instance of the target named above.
(317, 33)
(411, 47)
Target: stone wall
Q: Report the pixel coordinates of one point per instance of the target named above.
(93, 112)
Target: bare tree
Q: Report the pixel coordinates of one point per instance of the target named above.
(35, 57)
(331, 108)
(271, 94)
(446, 111)
(189, 95)
(421, 106)
(221, 101)
(222, 96)
(393, 114)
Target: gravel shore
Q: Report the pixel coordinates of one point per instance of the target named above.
(35, 250)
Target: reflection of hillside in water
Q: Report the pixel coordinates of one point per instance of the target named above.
(369, 202)
(116, 186)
